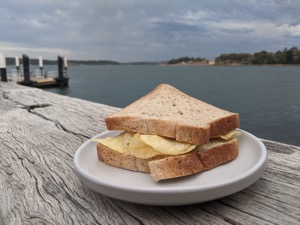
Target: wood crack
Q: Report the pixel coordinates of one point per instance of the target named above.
(5, 96)
(59, 125)
(31, 108)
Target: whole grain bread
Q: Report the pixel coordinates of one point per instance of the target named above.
(165, 167)
(168, 112)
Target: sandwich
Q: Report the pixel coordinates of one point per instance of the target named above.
(170, 134)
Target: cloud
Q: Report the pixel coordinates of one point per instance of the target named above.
(133, 30)
(35, 52)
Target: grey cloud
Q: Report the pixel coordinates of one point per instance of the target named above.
(174, 26)
(237, 30)
(128, 30)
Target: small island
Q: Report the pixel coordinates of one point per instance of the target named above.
(190, 61)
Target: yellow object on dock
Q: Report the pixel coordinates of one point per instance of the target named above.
(46, 80)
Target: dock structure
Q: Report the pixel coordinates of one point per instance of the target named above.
(39, 79)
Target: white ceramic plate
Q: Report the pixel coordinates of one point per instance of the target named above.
(141, 188)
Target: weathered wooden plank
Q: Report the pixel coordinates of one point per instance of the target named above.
(74, 115)
(39, 186)
(39, 182)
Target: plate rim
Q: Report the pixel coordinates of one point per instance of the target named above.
(178, 189)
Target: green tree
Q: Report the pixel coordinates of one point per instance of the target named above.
(286, 56)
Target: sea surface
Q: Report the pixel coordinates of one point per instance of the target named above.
(266, 97)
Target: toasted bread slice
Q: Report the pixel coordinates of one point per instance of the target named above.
(168, 112)
(122, 160)
(166, 167)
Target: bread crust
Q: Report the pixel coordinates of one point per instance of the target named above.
(175, 166)
(218, 155)
(166, 167)
(168, 112)
(114, 158)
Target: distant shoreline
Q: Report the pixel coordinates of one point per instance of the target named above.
(232, 65)
(11, 62)
(258, 65)
(174, 65)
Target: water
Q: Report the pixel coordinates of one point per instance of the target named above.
(266, 97)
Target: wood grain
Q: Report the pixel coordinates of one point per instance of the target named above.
(39, 134)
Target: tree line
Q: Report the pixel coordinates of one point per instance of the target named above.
(186, 60)
(286, 56)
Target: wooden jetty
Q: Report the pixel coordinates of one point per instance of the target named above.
(60, 81)
(41, 80)
(39, 135)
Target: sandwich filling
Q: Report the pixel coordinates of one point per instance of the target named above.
(147, 146)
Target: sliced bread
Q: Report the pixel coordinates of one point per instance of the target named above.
(165, 167)
(168, 112)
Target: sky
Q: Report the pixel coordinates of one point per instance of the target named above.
(140, 30)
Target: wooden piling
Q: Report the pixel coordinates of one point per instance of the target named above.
(60, 64)
(26, 71)
(17, 65)
(3, 71)
(41, 66)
